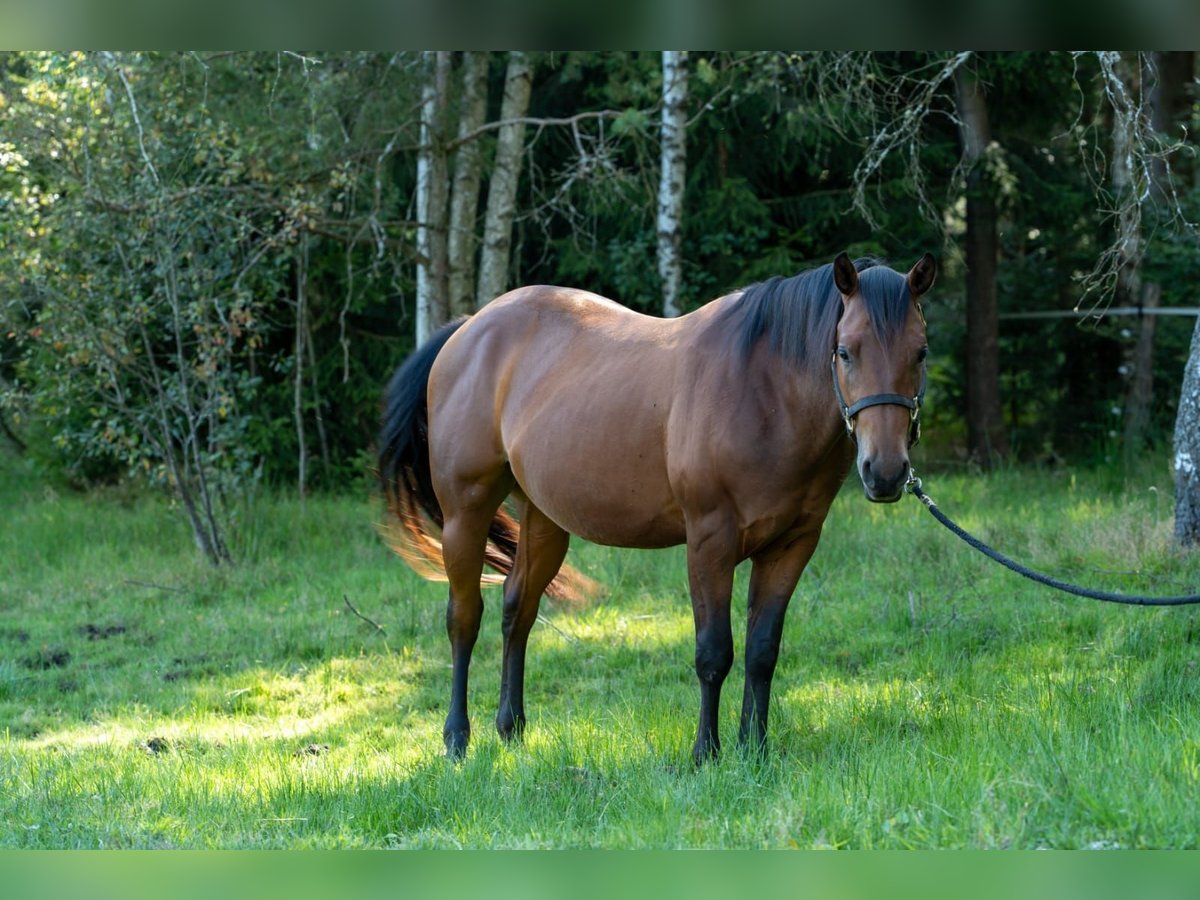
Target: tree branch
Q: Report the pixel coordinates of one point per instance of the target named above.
(539, 122)
(137, 121)
(378, 628)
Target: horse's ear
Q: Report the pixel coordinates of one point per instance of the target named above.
(845, 276)
(920, 277)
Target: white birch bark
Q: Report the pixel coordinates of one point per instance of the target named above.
(464, 200)
(432, 195)
(1187, 450)
(673, 133)
(506, 173)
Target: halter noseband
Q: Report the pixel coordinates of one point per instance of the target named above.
(912, 404)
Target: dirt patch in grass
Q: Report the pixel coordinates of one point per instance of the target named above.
(101, 632)
(48, 658)
(189, 667)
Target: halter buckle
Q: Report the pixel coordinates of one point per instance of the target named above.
(849, 420)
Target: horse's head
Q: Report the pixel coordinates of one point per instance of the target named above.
(879, 368)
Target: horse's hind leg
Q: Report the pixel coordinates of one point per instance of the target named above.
(469, 510)
(540, 553)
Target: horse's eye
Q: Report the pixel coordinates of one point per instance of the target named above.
(843, 354)
(922, 354)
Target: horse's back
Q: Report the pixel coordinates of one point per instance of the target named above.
(571, 391)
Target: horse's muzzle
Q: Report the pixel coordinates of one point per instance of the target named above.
(883, 484)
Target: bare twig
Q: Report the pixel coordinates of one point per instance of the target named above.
(379, 628)
(1137, 148)
(569, 638)
(137, 121)
(539, 123)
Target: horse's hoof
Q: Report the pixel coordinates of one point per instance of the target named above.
(511, 731)
(456, 744)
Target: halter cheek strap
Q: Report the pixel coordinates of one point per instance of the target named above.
(912, 404)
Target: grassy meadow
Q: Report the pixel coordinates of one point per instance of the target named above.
(925, 697)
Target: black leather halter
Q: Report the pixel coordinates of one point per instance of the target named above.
(912, 404)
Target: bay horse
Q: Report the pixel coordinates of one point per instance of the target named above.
(729, 429)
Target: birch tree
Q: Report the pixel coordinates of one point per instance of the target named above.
(1168, 74)
(432, 193)
(1187, 450)
(1187, 419)
(506, 175)
(1128, 291)
(672, 178)
(468, 169)
(1145, 163)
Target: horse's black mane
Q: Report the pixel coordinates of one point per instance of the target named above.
(798, 316)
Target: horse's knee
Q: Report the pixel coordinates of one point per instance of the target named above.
(714, 655)
(463, 618)
(762, 654)
(510, 610)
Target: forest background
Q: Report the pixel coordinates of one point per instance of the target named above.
(212, 262)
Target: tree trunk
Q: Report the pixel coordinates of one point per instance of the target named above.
(318, 404)
(6, 429)
(506, 174)
(672, 177)
(1128, 292)
(986, 438)
(1140, 393)
(298, 372)
(1169, 101)
(1178, 69)
(1187, 450)
(464, 202)
(432, 195)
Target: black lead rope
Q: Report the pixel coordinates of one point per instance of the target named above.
(914, 488)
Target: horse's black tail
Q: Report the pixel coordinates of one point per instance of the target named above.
(404, 473)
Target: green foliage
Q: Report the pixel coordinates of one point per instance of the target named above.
(157, 211)
(243, 163)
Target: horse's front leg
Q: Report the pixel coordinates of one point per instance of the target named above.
(711, 559)
(772, 582)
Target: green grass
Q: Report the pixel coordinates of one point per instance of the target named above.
(925, 697)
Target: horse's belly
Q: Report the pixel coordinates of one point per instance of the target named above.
(618, 509)
(606, 524)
